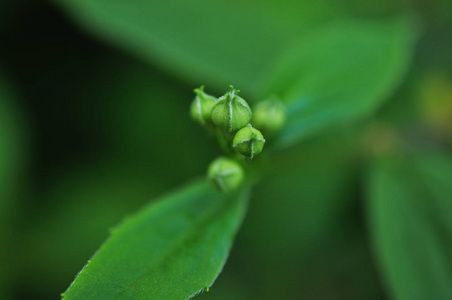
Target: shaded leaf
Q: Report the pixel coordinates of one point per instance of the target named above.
(213, 42)
(409, 209)
(171, 250)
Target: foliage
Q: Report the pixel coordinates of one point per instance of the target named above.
(340, 150)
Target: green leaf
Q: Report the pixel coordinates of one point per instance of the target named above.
(340, 73)
(172, 249)
(214, 42)
(410, 208)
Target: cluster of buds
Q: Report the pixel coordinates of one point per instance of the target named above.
(229, 118)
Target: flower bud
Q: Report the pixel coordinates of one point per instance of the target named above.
(231, 112)
(269, 115)
(248, 141)
(226, 173)
(201, 107)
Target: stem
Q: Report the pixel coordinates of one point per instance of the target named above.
(225, 140)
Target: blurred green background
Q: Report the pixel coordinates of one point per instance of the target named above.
(94, 122)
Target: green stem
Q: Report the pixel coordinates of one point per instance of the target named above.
(225, 140)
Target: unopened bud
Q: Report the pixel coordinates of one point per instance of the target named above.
(269, 115)
(201, 107)
(231, 112)
(248, 141)
(226, 173)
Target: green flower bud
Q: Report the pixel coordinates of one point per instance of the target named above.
(226, 173)
(269, 115)
(231, 112)
(248, 141)
(201, 107)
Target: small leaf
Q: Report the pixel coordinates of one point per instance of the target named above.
(339, 74)
(172, 249)
(409, 210)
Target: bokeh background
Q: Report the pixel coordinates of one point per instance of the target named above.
(94, 124)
